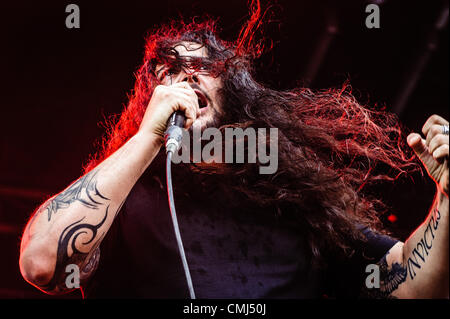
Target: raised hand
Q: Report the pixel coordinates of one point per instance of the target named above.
(433, 150)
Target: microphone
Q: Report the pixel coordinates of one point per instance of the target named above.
(174, 132)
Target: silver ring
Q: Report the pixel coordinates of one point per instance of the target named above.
(445, 129)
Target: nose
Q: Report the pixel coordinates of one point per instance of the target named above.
(190, 77)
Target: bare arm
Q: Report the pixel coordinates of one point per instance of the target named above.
(69, 227)
(419, 268)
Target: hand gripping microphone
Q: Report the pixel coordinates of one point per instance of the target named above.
(173, 137)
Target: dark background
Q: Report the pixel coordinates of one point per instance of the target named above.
(57, 84)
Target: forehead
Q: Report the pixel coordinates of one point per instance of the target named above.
(191, 49)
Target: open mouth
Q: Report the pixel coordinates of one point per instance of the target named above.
(202, 100)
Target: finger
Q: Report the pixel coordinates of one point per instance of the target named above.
(196, 109)
(432, 120)
(183, 85)
(196, 105)
(180, 84)
(417, 143)
(185, 88)
(188, 107)
(184, 93)
(191, 116)
(193, 96)
(437, 141)
(183, 102)
(189, 92)
(434, 130)
(441, 152)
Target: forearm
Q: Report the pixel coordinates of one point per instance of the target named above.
(68, 228)
(425, 255)
(419, 267)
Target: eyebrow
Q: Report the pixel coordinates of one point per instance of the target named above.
(189, 59)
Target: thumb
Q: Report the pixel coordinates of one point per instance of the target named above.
(417, 143)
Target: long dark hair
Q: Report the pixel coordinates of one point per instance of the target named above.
(330, 147)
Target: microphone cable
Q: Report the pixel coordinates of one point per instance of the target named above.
(170, 151)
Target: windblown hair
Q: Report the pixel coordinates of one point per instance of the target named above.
(330, 147)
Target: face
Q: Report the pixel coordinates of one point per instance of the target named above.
(206, 86)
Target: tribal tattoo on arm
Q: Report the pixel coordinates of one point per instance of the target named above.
(68, 238)
(392, 276)
(86, 185)
(70, 244)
